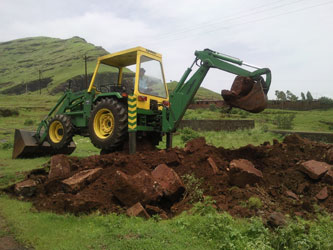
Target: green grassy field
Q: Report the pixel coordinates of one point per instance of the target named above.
(203, 228)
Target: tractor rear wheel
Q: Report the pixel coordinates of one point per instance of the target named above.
(108, 124)
(60, 132)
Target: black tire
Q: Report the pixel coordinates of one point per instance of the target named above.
(60, 132)
(108, 124)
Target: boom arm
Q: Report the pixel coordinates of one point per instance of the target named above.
(185, 91)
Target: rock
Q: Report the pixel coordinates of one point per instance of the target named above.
(141, 187)
(291, 194)
(213, 165)
(195, 144)
(314, 169)
(153, 210)
(303, 187)
(243, 172)
(276, 219)
(328, 177)
(329, 155)
(137, 210)
(169, 181)
(172, 158)
(323, 194)
(81, 179)
(25, 188)
(60, 167)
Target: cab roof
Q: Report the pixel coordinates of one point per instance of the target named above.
(126, 57)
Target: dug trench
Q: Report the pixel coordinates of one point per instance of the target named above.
(271, 180)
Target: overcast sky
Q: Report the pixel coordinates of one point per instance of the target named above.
(294, 38)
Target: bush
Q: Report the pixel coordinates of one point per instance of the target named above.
(212, 107)
(254, 202)
(284, 121)
(28, 122)
(193, 189)
(188, 134)
(7, 145)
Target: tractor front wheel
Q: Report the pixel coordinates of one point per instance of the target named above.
(108, 124)
(60, 132)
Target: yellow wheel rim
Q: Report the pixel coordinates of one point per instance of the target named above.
(56, 131)
(103, 123)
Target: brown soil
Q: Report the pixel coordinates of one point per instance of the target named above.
(279, 164)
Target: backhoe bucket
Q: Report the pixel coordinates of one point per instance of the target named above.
(26, 146)
(246, 94)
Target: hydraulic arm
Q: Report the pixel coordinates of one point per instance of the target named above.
(186, 89)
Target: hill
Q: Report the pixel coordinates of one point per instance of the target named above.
(58, 60)
(55, 61)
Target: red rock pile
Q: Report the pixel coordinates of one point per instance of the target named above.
(292, 177)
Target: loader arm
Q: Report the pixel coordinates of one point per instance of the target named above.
(185, 91)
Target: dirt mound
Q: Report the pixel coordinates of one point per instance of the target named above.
(245, 182)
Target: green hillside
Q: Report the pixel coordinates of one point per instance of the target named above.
(57, 61)
(202, 94)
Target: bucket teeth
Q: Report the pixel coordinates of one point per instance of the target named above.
(26, 146)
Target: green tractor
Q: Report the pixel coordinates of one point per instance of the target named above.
(135, 107)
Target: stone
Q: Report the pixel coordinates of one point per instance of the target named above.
(81, 179)
(291, 195)
(195, 144)
(141, 187)
(60, 167)
(169, 181)
(276, 219)
(314, 169)
(303, 187)
(213, 165)
(153, 210)
(328, 177)
(171, 158)
(137, 210)
(329, 155)
(26, 188)
(323, 194)
(243, 172)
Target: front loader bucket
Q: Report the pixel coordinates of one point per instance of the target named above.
(246, 94)
(26, 146)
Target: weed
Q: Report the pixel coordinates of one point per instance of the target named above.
(254, 202)
(7, 145)
(29, 122)
(204, 207)
(193, 188)
(188, 134)
(284, 121)
(212, 107)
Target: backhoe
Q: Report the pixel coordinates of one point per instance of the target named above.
(136, 106)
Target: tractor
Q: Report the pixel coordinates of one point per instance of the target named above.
(122, 112)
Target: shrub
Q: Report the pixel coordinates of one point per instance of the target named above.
(7, 145)
(193, 188)
(28, 122)
(254, 202)
(212, 107)
(284, 121)
(188, 134)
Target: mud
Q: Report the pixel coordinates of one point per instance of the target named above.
(284, 188)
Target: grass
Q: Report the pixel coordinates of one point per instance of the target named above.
(202, 228)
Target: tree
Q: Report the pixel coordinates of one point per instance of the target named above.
(280, 95)
(303, 96)
(309, 96)
(291, 96)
